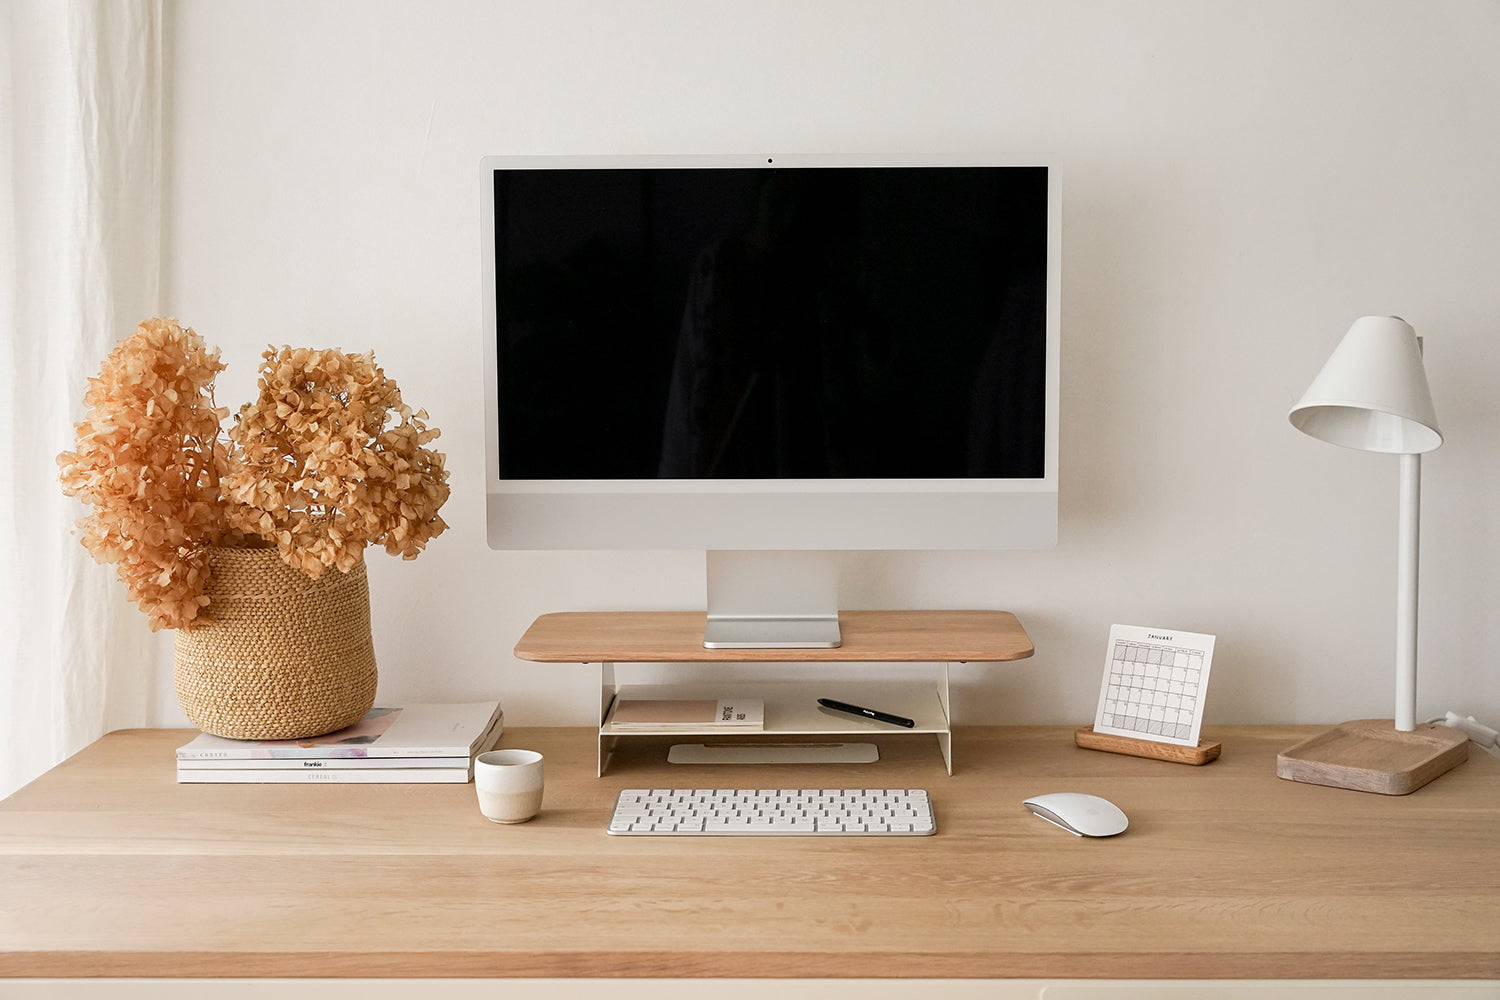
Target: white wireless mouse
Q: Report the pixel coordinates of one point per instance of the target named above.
(1081, 815)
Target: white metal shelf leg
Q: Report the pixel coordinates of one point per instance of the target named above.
(945, 738)
(607, 692)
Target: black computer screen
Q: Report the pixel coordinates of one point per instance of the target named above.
(803, 323)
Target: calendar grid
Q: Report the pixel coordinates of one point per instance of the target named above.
(1152, 689)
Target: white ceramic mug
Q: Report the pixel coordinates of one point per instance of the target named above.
(509, 785)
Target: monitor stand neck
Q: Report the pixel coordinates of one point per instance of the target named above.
(772, 600)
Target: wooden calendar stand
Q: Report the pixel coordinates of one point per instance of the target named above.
(1204, 752)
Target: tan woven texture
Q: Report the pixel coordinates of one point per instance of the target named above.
(283, 656)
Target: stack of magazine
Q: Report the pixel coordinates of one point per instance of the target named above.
(419, 743)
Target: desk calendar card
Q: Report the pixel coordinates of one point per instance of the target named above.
(1154, 684)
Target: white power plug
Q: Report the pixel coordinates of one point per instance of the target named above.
(1477, 731)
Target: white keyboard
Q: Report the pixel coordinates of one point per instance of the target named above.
(808, 811)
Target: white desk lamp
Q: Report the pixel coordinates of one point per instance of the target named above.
(1372, 395)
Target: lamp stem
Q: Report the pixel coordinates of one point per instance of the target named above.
(1406, 593)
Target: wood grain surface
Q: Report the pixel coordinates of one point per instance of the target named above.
(1205, 752)
(677, 637)
(108, 867)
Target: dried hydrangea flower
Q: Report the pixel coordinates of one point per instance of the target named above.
(329, 459)
(325, 461)
(148, 463)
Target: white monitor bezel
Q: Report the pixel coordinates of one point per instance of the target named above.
(771, 514)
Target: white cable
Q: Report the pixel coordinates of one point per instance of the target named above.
(1477, 731)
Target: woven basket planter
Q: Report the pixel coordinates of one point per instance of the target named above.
(282, 656)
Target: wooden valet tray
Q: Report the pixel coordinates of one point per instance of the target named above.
(1371, 755)
(1204, 752)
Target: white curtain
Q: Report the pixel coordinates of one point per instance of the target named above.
(81, 139)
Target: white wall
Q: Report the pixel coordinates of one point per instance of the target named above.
(1240, 182)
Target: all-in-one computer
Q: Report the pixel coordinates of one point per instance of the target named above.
(774, 359)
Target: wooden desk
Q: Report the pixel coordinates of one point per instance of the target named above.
(110, 868)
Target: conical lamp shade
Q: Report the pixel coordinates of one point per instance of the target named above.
(1372, 393)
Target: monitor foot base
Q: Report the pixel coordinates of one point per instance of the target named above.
(773, 753)
(772, 633)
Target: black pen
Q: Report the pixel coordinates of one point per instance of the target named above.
(868, 713)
